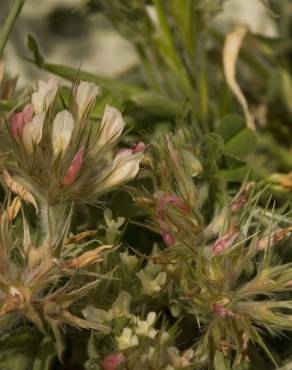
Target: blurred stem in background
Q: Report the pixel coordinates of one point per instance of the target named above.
(11, 17)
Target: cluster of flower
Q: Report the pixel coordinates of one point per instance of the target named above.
(63, 155)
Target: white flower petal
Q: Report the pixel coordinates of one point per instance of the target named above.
(45, 94)
(85, 96)
(62, 131)
(123, 170)
(151, 317)
(111, 127)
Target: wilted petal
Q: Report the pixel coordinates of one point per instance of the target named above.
(32, 132)
(45, 95)
(85, 96)
(18, 189)
(113, 361)
(111, 127)
(62, 131)
(74, 168)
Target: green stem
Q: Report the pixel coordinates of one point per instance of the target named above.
(9, 22)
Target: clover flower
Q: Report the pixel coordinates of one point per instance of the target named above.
(144, 327)
(152, 279)
(64, 155)
(127, 339)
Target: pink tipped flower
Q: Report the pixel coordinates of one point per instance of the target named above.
(74, 168)
(113, 361)
(124, 152)
(19, 120)
(138, 148)
(222, 311)
(225, 241)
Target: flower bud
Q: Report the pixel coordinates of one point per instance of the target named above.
(113, 361)
(74, 168)
(225, 241)
(62, 131)
(168, 239)
(85, 96)
(177, 202)
(19, 120)
(222, 311)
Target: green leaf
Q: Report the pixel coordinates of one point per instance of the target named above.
(229, 126)
(239, 140)
(237, 174)
(242, 144)
(33, 47)
(212, 150)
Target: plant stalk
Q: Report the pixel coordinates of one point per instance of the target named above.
(13, 13)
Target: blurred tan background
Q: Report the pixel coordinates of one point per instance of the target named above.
(67, 35)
